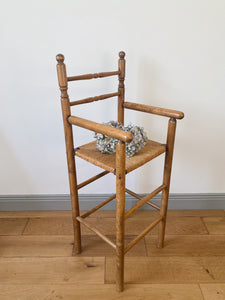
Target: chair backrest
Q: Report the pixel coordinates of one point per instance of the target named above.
(64, 79)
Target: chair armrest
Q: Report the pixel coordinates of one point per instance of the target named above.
(119, 134)
(155, 110)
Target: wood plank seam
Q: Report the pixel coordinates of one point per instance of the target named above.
(199, 285)
(22, 233)
(206, 228)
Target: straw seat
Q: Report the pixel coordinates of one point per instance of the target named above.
(90, 153)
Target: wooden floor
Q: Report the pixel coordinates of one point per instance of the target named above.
(36, 259)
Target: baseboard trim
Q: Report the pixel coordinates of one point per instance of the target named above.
(87, 201)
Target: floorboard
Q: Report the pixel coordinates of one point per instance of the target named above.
(51, 270)
(215, 225)
(102, 292)
(187, 245)
(174, 269)
(213, 291)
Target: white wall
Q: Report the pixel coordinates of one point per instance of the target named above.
(175, 59)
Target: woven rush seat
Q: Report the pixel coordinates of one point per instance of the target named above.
(90, 153)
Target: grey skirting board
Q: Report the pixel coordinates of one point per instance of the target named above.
(87, 201)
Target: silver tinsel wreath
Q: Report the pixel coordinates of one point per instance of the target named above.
(108, 145)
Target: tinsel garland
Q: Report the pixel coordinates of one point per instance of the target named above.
(108, 145)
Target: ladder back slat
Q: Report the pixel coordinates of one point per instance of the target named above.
(91, 76)
(92, 99)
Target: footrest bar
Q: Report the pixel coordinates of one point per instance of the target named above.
(102, 236)
(153, 205)
(88, 213)
(133, 194)
(79, 186)
(140, 236)
(140, 198)
(144, 200)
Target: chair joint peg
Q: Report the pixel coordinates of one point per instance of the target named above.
(74, 150)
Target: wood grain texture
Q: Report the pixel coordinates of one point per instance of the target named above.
(184, 226)
(102, 292)
(163, 270)
(12, 226)
(213, 291)
(90, 153)
(49, 226)
(187, 245)
(53, 270)
(215, 225)
(41, 245)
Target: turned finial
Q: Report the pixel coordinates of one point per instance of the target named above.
(122, 54)
(60, 58)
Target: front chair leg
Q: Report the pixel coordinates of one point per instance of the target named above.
(166, 180)
(120, 209)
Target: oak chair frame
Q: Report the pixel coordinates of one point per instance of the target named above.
(122, 137)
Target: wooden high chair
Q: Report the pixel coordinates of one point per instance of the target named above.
(117, 163)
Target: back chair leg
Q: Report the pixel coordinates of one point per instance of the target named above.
(166, 180)
(120, 209)
(65, 103)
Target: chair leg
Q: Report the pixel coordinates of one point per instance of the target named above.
(75, 211)
(73, 185)
(166, 180)
(120, 209)
(62, 77)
